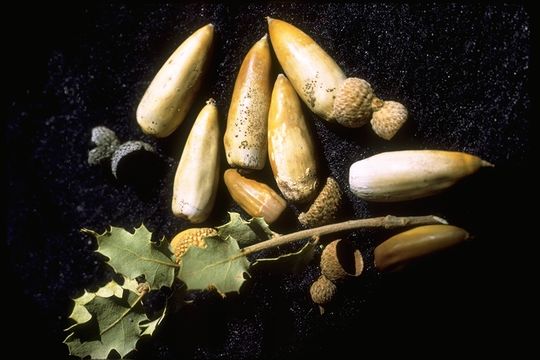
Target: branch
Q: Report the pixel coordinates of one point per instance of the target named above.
(387, 222)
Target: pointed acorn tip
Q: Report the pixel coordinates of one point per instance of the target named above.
(487, 164)
(211, 101)
(269, 19)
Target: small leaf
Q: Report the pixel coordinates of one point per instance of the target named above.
(245, 232)
(292, 262)
(135, 254)
(221, 265)
(116, 324)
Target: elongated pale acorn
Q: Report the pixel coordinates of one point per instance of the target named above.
(290, 147)
(257, 199)
(197, 175)
(321, 83)
(401, 249)
(170, 95)
(410, 174)
(245, 137)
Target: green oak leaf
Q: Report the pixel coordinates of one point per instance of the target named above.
(80, 314)
(117, 324)
(245, 232)
(292, 262)
(135, 254)
(221, 265)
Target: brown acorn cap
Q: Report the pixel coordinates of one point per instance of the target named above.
(322, 292)
(388, 119)
(325, 207)
(352, 105)
(190, 237)
(339, 260)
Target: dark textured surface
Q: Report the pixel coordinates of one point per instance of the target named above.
(462, 71)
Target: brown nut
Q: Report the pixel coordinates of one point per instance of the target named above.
(405, 247)
(257, 199)
(322, 292)
(339, 261)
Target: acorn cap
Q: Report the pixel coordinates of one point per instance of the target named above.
(322, 292)
(388, 119)
(352, 105)
(339, 260)
(190, 237)
(126, 153)
(325, 207)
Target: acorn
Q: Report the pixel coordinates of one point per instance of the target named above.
(339, 261)
(190, 237)
(410, 174)
(245, 139)
(320, 82)
(325, 207)
(290, 146)
(408, 246)
(171, 93)
(322, 292)
(256, 198)
(197, 175)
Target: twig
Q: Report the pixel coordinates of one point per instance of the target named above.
(387, 222)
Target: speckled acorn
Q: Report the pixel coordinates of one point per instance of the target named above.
(339, 261)
(171, 93)
(320, 82)
(290, 146)
(190, 237)
(325, 207)
(245, 138)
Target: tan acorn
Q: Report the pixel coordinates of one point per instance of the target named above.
(318, 80)
(388, 119)
(245, 139)
(170, 95)
(322, 292)
(257, 199)
(325, 207)
(290, 147)
(190, 237)
(410, 174)
(339, 261)
(403, 248)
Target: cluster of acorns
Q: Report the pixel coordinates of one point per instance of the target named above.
(268, 122)
(265, 120)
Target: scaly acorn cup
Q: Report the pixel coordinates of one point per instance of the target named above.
(197, 175)
(321, 83)
(410, 174)
(170, 95)
(403, 248)
(290, 147)
(257, 199)
(190, 237)
(325, 207)
(322, 292)
(339, 261)
(245, 136)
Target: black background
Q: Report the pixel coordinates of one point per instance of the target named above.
(462, 71)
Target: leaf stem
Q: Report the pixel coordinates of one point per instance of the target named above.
(387, 222)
